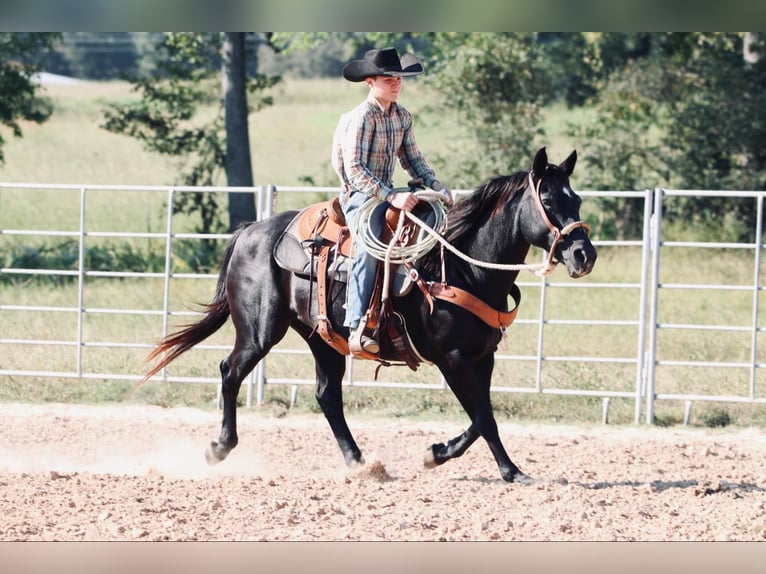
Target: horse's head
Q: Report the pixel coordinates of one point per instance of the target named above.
(552, 215)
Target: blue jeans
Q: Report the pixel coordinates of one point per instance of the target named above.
(362, 267)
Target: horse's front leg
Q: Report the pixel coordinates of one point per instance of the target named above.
(470, 382)
(440, 453)
(330, 367)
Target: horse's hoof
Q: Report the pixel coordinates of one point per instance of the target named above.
(429, 460)
(523, 479)
(214, 454)
(356, 463)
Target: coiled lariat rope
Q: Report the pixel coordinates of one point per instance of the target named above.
(393, 253)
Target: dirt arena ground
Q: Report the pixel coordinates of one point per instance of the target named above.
(117, 473)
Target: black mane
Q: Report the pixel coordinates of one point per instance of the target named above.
(483, 203)
(475, 210)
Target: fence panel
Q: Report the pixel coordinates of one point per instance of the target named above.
(683, 327)
(96, 322)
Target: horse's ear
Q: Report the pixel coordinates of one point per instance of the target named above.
(540, 163)
(569, 163)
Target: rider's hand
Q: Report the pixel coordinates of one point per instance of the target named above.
(445, 191)
(404, 200)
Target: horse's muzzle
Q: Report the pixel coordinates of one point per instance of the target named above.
(579, 257)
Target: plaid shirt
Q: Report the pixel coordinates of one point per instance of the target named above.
(365, 145)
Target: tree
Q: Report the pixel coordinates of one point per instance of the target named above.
(22, 55)
(718, 127)
(494, 83)
(621, 142)
(168, 117)
(678, 110)
(239, 171)
(572, 67)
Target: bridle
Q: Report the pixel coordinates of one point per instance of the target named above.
(558, 234)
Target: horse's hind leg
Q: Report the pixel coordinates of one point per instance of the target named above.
(330, 366)
(234, 369)
(261, 320)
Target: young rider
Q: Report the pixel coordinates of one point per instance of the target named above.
(367, 141)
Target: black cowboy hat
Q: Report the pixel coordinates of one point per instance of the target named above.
(384, 62)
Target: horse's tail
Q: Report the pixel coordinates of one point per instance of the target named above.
(216, 314)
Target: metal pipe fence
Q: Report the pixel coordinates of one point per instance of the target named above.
(665, 376)
(568, 343)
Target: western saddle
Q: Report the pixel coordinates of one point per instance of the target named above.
(317, 244)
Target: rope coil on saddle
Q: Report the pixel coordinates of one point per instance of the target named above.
(396, 253)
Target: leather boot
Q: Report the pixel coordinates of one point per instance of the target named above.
(358, 341)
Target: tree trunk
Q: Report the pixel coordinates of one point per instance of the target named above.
(239, 171)
(750, 48)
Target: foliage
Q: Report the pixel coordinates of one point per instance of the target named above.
(621, 144)
(494, 82)
(685, 111)
(163, 120)
(716, 418)
(717, 129)
(21, 56)
(64, 256)
(170, 119)
(571, 67)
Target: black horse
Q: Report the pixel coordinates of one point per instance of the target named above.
(497, 223)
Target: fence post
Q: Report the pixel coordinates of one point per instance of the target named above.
(168, 268)
(756, 295)
(540, 332)
(651, 361)
(81, 283)
(646, 249)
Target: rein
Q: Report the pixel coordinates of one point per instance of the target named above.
(391, 253)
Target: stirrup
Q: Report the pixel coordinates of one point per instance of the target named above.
(358, 342)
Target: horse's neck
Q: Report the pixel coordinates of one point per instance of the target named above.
(493, 243)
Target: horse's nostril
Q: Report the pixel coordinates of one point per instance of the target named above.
(580, 257)
(583, 258)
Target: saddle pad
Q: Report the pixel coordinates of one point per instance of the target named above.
(290, 255)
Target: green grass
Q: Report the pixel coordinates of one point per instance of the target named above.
(290, 145)
(560, 340)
